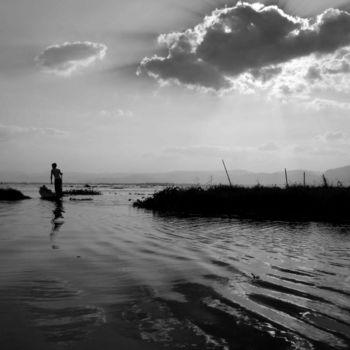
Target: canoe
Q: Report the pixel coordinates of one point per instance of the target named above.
(47, 194)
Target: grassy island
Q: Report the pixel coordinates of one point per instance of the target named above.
(323, 203)
(11, 194)
(82, 192)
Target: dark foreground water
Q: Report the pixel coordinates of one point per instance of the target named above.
(103, 275)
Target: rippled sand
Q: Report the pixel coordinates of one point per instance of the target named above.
(101, 274)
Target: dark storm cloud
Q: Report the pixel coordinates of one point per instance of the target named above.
(245, 38)
(65, 58)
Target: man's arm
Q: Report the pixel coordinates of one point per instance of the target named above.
(51, 177)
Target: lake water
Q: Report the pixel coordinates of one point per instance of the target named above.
(102, 274)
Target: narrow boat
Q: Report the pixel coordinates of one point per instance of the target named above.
(47, 194)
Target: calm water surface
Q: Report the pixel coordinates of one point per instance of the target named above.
(103, 274)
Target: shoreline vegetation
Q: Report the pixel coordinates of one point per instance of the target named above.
(11, 194)
(296, 203)
(82, 192)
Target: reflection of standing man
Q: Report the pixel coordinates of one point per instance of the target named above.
(57, 221)
(57, 174)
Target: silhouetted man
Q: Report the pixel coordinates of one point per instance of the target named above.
(57, 174)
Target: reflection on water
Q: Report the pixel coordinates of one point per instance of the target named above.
(164, 282)
(53, 308)
(57, 221)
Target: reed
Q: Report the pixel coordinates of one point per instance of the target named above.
(322, 203)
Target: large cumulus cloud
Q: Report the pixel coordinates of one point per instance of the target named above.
(65, 58)
(246, 38)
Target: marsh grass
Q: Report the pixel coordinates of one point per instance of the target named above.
(82, 192)
(293, 202)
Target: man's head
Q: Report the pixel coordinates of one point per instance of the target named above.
(54, 165)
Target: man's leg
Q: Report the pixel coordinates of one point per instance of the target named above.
(58, 187)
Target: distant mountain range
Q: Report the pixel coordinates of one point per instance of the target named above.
(240, 177)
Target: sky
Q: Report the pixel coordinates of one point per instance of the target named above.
(162, 85)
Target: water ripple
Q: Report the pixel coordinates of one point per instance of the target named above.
(174, 282)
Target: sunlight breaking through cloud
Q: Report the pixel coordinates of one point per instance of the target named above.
(68, 57)
(250, 46)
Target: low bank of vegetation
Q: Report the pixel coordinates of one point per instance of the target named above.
(82, 192)
(322, 203)
(11, 194)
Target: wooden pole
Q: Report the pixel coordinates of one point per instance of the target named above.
(286, 176)
(228, 176)
(304, 179)
(325, 182)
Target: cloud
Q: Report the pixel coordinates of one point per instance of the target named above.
(319, 104)
(333, 137)
(66, 58)
(9, 132)
(341, 63)
(201, 151)
(265, 74)
(313, 74)
(221, 151)
(328, 144)
(251, 42)
(269, 147)
(116, 113)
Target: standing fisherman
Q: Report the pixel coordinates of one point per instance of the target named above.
(57, 174)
